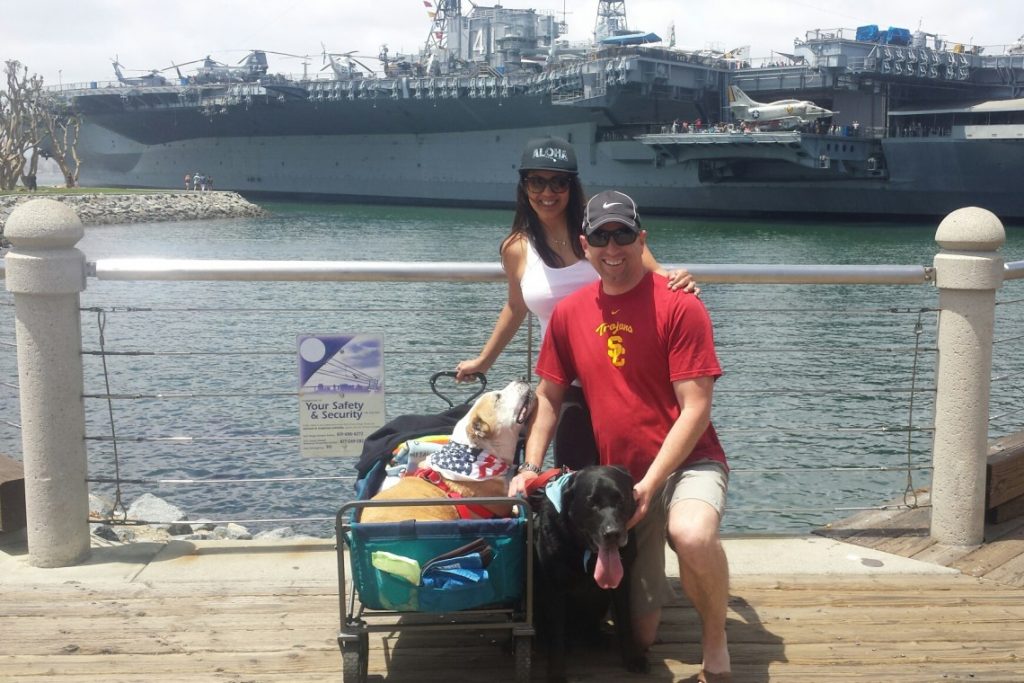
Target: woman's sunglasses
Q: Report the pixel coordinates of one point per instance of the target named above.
(622, 237)
(558, 183)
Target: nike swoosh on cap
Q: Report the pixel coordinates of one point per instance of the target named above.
(608, 204)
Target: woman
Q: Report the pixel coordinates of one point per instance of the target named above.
(544, 261)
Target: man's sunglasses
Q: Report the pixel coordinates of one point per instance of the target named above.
(622, 237)
(558, 183)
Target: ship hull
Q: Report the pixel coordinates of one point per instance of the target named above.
(926, 178)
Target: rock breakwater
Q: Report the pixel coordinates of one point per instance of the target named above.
(105, 209)
(138, 524)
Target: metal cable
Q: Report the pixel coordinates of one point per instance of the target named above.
(138, 522)
(766, 311)
(993, 418)
(278, 520)
(829, 468)
(1003, 378)
(796, 391)
(185, 440)
(909, 491)
(276, 311)
(802, 429)
(1003, 340)
(110, 480)
(737, 431)
(240, 352)
(232, 394)
(832, 350)
(831, 509)
(101, 322)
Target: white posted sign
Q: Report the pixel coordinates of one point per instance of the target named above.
(341, 392)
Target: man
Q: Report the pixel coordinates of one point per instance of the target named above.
(645, 358)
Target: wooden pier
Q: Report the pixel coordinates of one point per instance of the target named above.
(270, 613)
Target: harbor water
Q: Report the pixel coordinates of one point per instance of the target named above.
(824, 407)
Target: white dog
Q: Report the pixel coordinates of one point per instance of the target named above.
(476, 461)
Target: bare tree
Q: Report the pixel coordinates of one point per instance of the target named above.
(20, 130)
(36, 123)
(61, 125)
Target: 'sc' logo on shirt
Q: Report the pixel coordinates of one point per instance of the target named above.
(616, 351)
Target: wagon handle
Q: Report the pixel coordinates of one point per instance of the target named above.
(451, 373)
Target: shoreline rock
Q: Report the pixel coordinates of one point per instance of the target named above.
(147, 207)
(175, 524)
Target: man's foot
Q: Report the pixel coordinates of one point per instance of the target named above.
(717, 666)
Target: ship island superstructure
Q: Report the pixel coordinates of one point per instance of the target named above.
(922, 126)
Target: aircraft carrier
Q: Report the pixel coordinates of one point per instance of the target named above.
(921, 126)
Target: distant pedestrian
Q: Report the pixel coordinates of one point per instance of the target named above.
(188, 181)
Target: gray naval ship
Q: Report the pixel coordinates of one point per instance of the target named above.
(907, 125)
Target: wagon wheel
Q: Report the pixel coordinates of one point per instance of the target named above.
(524, 658)
(355, 660)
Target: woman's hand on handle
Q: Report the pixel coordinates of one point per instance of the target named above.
(465, 370)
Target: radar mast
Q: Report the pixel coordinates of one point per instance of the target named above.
(443, 10)
(611, 19)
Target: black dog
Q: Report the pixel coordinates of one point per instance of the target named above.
(579, 567)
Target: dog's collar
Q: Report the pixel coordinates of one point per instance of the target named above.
(555, 487)
(543, 478)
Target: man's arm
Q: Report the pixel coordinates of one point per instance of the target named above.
(694, 398)
(541, 431)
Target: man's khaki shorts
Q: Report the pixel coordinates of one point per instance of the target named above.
(706, 480)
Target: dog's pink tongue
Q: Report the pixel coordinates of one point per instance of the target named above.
(608, 570)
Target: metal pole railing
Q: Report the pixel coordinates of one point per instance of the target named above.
(356, 271)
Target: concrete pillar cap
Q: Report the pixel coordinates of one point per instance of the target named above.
(43, 224)
(971, 229)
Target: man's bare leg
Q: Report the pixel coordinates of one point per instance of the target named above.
(704, 573)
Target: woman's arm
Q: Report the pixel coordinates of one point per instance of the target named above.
(511, 317)
(677, 279)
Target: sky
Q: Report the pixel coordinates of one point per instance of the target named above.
(74, 41)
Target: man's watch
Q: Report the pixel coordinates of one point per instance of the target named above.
(527, 467)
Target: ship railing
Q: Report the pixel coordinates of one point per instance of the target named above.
(145, 373)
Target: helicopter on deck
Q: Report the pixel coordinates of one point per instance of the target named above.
(152, 77)
(252, 67)
(344, 70)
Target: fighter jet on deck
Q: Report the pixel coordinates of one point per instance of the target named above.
(784, 113)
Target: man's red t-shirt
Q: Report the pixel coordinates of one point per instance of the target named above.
(626, 350)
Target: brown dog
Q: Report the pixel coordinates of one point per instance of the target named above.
(476, 461)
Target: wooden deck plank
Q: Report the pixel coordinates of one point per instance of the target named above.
(989, 557)
(781, 628)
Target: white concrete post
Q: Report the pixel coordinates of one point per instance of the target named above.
(968, 271)
(46, 274)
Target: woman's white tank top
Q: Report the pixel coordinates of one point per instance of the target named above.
(544, 286)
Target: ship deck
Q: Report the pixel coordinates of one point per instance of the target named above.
(801, 609)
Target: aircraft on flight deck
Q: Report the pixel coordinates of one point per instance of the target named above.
(786, 113)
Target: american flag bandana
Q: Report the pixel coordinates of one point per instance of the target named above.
(459, 461)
